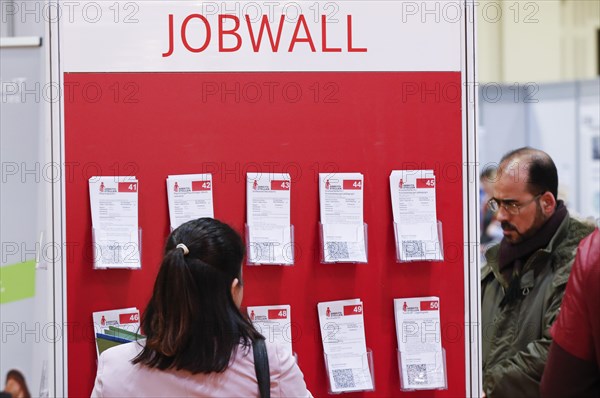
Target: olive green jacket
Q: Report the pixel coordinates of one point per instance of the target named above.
(516, 338)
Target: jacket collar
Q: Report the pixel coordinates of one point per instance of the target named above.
(493, 267)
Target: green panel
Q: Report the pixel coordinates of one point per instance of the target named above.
(125, 334)
(17, 282)
(104, 344)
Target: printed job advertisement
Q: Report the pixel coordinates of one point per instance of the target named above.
(114, 327)
(419, 342)
(415, 217)
(273, 322)
(114, 205)
(343, 335)
(341, 205)
(268, 218)
(125, 318)
(190, 197)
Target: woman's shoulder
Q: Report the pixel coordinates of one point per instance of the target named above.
(287, 379)
(278, 353)
(123, 352)
(280, 357)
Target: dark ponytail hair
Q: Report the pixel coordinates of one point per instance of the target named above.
(192, 321)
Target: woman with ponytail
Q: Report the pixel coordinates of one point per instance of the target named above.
(198, 342)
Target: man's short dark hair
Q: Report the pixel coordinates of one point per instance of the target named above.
(488, 173)
(542, 174)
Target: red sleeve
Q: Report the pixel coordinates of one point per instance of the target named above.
(567, 376)
(572, 329)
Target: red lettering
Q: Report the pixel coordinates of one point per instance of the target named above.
(170, 50)
(301, 34)
(307, 39)
(324, 37)
(350, 48)
(232, 32)
(184, 29)
(264, 24)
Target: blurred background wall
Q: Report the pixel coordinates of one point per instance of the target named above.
(539, 69)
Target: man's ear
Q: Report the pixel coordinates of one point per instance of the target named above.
(548, 203)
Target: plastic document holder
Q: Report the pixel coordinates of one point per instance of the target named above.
(419, 374)
(346, 379)
(107, 255)
(333, 252)
(415, 251)
(269, 253)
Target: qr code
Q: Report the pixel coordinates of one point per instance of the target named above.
(413, 249)
(263, 251)
(337, 251)
(417, 374)
(110, 254)
(343, 378)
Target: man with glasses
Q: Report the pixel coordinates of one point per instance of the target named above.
(525, 276)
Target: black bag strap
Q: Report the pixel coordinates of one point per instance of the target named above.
(261, 366)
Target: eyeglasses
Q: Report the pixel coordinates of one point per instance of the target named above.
(510, 206)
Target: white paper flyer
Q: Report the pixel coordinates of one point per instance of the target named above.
(415, 215)
(190, 197)
(419, 341)
(115, 327)
(268, 218)
(343, 335)
(114, 205)
(342, 220)
(273, 322)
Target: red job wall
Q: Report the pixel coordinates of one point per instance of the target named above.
(154, 124)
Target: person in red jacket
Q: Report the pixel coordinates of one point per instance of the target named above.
(573, 367)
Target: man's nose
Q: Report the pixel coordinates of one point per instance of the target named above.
(502, 214)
